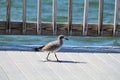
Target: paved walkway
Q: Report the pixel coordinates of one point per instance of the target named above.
(27, 65)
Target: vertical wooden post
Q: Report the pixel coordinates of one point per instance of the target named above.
(100, 17)
(85, 19)
(24, 17)
(8, 28)
(39, 17)
(116, 17)
(70, 17)
(54, 15)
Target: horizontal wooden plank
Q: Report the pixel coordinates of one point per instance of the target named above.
(62, 28)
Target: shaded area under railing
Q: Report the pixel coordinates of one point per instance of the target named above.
(65, 49)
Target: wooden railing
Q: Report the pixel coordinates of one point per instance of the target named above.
(55, 28)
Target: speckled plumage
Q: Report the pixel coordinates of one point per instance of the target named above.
(52, 46)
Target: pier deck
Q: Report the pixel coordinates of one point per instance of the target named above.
(28, 65)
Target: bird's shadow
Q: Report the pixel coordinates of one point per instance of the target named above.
(65, 61)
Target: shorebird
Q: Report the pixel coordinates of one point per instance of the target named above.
(52, 47)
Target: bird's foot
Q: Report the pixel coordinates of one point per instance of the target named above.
(59, 61)
(48, 59)
(51, 60)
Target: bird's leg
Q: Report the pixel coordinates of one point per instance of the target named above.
(48, 56)
(56, 57)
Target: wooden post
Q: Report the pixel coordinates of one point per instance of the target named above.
(54, 16)
(39, 17)
(24, 17)
(116, 17)
(8, 28)
(85, 19)
(70, 17)
(100, 17)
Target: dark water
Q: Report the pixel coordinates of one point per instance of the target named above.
(62, 10)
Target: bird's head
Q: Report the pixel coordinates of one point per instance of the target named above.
(61, 37)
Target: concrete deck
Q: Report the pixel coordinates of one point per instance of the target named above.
(27, 65)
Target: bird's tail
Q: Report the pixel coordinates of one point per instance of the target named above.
(38, 48)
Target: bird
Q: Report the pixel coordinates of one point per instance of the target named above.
(52, 47)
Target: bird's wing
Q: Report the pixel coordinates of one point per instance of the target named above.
(52, 46)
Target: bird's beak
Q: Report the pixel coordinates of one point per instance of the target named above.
(66, 38)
